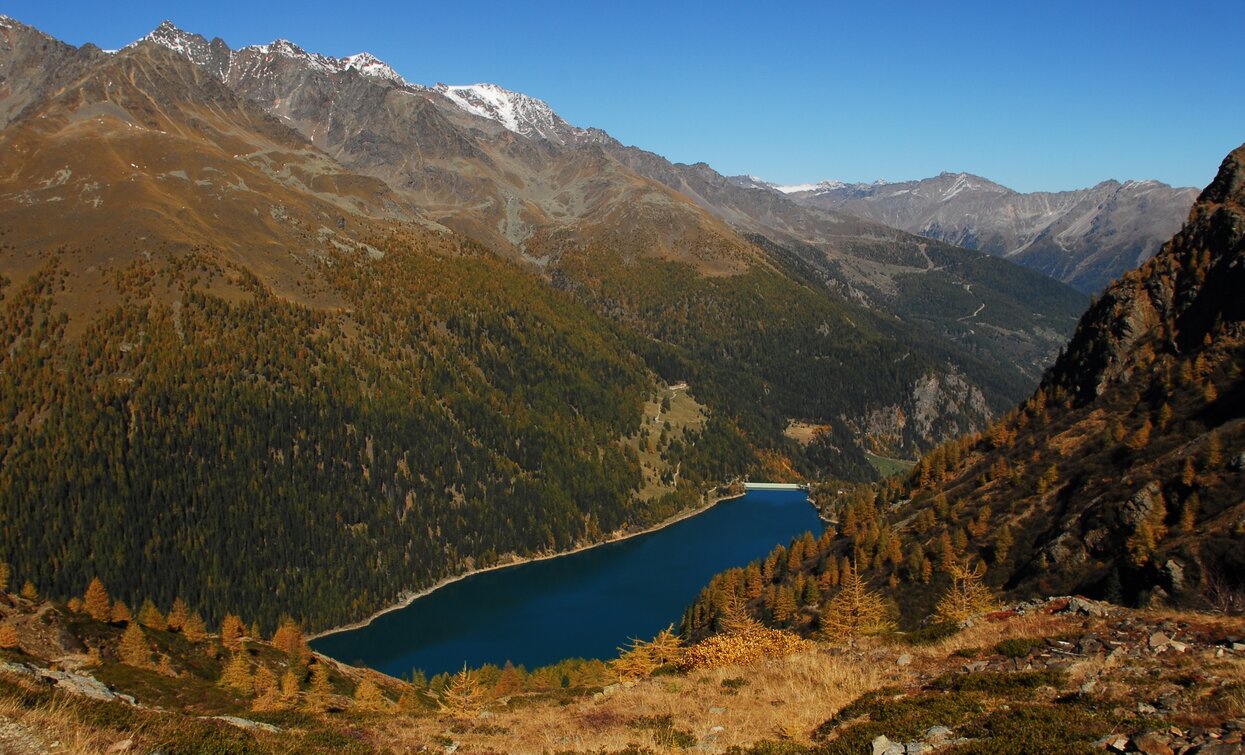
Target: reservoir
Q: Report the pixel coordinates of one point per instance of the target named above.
(583, 604)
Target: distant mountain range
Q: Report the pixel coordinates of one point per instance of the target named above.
(1085, 238)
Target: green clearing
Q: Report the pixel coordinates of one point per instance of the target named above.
(888, 467)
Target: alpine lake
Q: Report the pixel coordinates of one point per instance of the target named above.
(584, 604)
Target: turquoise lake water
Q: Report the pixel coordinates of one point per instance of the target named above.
(584, 604)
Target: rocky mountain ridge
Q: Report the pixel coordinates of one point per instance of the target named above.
(1085, 238)
(454, 151)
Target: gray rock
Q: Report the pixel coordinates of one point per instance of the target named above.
(1159, 640)
(1138, 508)
(1116, 742)
(1174, 573)
(883, 746)
(1146, 709)
(904, 660)
(246, 723)
(976, 666)
(1087, 607)
(122, 746)
(82, 684)
(937, 734)
(916, 748)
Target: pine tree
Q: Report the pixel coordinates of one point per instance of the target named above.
(1214, 450)
(150, 617)
(289, 687)
(634, 662)
(967, 596)
(320, 695)
(510, 681)
(666, 647)
(29, 592)
(267, 692)
(5, 573)
(784, 605)
(735, 617)
(1188, 514)
(368, 697)
(1003, 542)
(237, 675)
(165, 667)
(463, 696)
(288, 638)
(1141, 438)
(854, 611)
(178, 615)
(194, 630)
(120, 613)
(98, 605)
(232, 630)
(134, 650)
(8, 636)
(74, 604)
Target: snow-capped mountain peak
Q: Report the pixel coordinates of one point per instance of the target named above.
(517, 112)
(193, 46)
(819, 186)
(369, 65)
(219, 58)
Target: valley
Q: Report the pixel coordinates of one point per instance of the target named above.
(344, 413)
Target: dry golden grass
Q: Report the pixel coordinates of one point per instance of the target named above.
(50, 727)
(987, 634)
(778, 698)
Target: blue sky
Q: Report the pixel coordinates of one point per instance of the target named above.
(1039, 96)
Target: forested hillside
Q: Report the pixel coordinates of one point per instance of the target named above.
(256, 452)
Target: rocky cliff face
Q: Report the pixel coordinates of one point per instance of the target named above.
(1178, 303)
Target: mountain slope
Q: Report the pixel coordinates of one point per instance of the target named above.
(213, 329)
(504, 169)
(963, 297)
(1085, 238)
(1121, 477)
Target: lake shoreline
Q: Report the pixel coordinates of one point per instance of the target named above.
(407, 600)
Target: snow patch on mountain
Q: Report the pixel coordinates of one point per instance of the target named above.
(524, 115)
(819, 186)
(369, 65)
(193, 46)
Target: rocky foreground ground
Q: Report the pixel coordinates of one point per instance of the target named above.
(1063, 675)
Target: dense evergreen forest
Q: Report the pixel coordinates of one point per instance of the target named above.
(259, 455)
